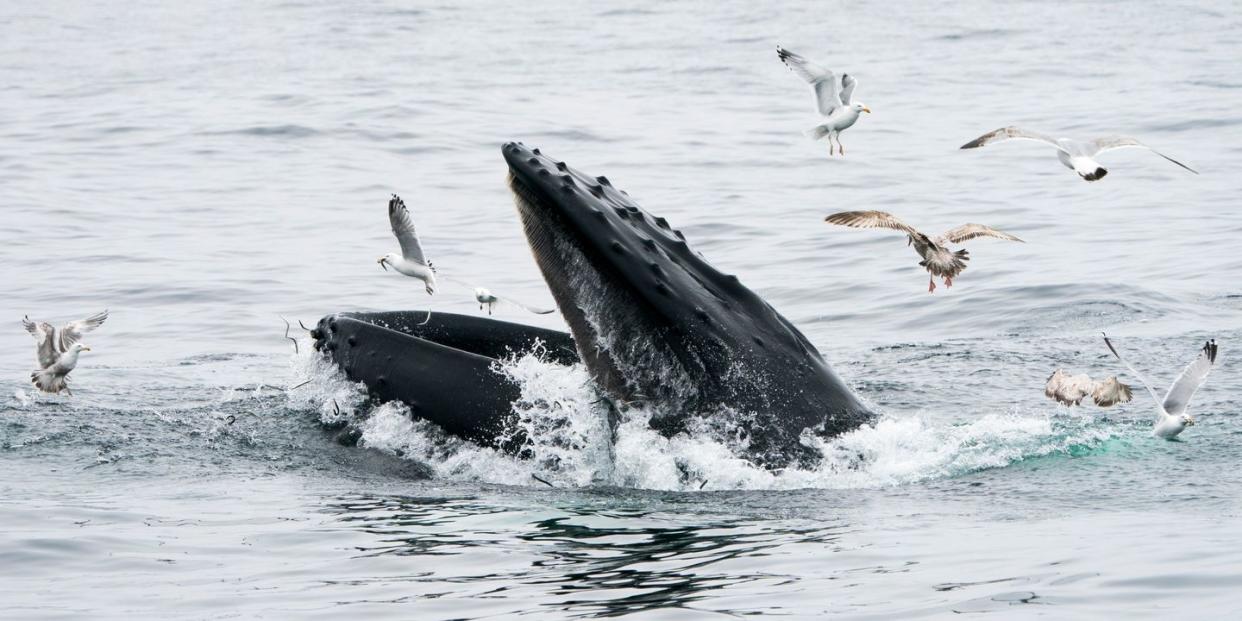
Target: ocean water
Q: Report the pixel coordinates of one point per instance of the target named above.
(203, 170)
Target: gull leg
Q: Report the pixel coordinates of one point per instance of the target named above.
(948, 281)
(840, 147)
(830, 152)
(931, 283)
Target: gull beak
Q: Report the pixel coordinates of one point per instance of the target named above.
(382, 263)
(866, 109)
(86, 349)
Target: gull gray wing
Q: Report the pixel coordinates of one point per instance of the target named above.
(971, 231)
(1138, 375)
(1110, 143)
(73, 331)
(1010, 133)
(530, 309)
(847, 88)
(45, 346)
(1066, 389)
(871, 220)
(1190, 380)
(1110, 392)
(822, 81)
(403, 228)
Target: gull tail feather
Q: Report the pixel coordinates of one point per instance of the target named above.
(817, 132)
(49, 382)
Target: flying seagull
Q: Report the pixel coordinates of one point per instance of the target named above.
(58, 351)
(1072, 389)
(1079, 156)
(488, 300)
(938, 259)
(1172, 411)
(411, 261)
(832, 97)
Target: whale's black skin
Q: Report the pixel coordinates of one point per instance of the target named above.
(655, 322)
(652, 320)
(442, 369)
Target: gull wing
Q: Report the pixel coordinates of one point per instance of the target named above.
(971, 231)
(73, 331)
(530, 309)
(403, 228)
(1010, 133)
(1110, 392)
(45, 336)
(847, 88)
(1066, 389)
(822, 81)
(1110, 143)
(1141, 380)
(483, 291)
(1190, 380)
(871, 220)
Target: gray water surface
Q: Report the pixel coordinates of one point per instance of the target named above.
(203, 170)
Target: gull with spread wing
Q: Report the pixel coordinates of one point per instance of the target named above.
(938, 259)
(489, 300)
(832, 97)
(58, 351)
(1172, 410)
(411, 261)
(1072, 389)
(1075, 155)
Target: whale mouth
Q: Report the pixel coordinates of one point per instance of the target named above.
(623, 339)
(655, 323)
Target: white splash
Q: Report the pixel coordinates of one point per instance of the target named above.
(23, 398)
(569, 442)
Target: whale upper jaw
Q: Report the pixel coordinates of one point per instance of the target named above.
(656, 323)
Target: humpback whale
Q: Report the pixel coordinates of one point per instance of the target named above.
(653, 322)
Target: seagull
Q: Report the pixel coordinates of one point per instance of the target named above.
(1173, 417)
(58, 352)
(937, 258)
(831, 99)
(1079, 156)
(411, 261)
(486, 299)
(1072, 389)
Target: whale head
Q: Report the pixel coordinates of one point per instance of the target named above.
(655, 323)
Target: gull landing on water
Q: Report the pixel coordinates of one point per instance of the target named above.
(938, 259)
(411, 261)
(1075, 155)
(488, 300)
(832, 99)
(58, 352)
(1172, 410)
(1072, 389)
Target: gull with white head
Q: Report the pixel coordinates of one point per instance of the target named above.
(57, 352)
(938, 259)
(489, 300)
(833, 97)
(411, 261)
(1075, 155)
(1172, 410)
